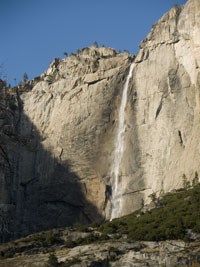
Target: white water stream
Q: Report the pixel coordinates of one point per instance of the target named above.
(117, 189)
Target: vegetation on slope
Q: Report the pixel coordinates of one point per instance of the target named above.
(177, 214)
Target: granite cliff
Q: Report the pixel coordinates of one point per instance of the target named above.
(58, 139)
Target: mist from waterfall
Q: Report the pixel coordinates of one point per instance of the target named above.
(117, 189)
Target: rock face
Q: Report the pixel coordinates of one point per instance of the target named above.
(56, 143)
(164, 109)
(57, 140)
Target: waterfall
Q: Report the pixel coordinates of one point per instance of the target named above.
(117, 191)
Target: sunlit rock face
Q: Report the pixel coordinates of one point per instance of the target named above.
(58, 139)
(161, 144)
(164, 106)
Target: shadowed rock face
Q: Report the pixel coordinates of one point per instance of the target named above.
(38, 190)
(57, 140)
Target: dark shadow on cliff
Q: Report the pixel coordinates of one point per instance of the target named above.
(38, 191)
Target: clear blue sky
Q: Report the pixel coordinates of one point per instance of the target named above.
(34, 32)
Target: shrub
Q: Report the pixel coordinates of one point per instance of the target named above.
(52, 261)
(50, 238)
(70, 243)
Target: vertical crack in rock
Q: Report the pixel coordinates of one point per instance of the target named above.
(159, 108)
(180, 138)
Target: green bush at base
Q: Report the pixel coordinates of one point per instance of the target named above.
(177, 213)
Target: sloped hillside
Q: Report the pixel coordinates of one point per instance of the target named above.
(154, 238)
